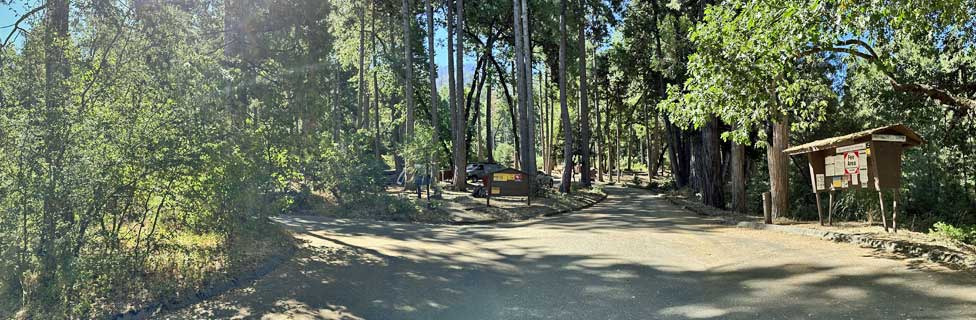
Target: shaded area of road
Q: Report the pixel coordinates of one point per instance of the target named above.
(632, 256)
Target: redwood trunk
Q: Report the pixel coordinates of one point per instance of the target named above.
(778, 168)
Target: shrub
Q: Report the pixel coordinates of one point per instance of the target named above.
(964, 234)
(347, 169)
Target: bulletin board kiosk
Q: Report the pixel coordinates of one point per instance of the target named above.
(867, 160)
(507, 182)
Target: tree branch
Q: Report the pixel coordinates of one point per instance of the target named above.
(16, 24)
(943, 96)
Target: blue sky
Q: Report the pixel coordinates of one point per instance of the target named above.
(440, 52)
(9, 15)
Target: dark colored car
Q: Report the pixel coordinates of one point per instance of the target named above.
(478, 170)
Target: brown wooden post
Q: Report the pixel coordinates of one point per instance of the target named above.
(830, 209)
(815, 163)
(884, 220)
(819, 210)
(767, 207)
(491, 176)
(877, 183)
(894, 210)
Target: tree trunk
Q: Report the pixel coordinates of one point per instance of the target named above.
(479, 82)
(57, 72)
(779, 167)
(474, 98)
(511, 105)
(451, 87)
(408, 66)
(584, 103)
(376, 89)
(649, 152)
(527, 64)
(599, 129)
(616, 161)
(565, 185)
(551, 134)
(477, 124)
(519, 64)
(678, 154)
(631, 136)
(363, 108)
(432, 77)
(544, 117)
(489, 136)
(460, 156)
(738, 164)
(516, 120)
(710, 165)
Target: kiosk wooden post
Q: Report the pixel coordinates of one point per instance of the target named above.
(894, 211)
(877, 186)
(884, 220)
(830, 209)
(819, 209)
(816, 191)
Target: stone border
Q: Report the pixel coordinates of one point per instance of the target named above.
(547, 214)
(171, 304)
(938, 254)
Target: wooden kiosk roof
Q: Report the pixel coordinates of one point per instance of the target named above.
(911, 139)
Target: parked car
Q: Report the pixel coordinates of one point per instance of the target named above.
(478, 170)
(544, 180)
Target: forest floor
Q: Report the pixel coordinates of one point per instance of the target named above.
(451, 207)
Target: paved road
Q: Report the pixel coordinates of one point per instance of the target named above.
(631, 257)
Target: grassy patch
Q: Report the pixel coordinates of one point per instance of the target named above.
(177, 265)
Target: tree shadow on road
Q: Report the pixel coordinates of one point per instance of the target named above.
(443, 272)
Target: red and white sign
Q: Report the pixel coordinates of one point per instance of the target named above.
(852, 162)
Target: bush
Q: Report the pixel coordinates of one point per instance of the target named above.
(964, 234)
(347, 169)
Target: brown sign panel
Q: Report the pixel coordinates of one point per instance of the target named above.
(887, 163)
(508, 182)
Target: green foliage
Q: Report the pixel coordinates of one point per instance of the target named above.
(965, 234)
(505, 153)
(347, 169)
(157, 173)
(421, 149)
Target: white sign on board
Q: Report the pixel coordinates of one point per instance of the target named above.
(852, 162)
(888, 137)
(859, 146)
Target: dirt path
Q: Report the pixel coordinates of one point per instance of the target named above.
(632, 256)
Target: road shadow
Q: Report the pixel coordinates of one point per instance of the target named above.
(419, 271)
(349, 282)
